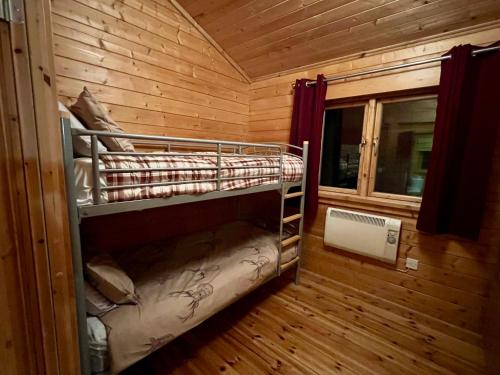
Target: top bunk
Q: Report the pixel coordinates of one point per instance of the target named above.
(171, 170)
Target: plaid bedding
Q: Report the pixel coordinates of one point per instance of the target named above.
(255, 167)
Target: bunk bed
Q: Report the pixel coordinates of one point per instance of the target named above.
(232, 260)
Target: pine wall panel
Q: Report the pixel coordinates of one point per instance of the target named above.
(151, 68)
(157, 74)
(271, 99)
(451, 287)
(492, 327)
(269, 36)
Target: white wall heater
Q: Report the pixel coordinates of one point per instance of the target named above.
(370, 235)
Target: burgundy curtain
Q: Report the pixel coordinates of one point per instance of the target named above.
(468, 115)
(307, 125)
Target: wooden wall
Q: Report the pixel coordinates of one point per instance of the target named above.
(492, 328)
(16, 344)
(37, 310)
(154, 71)
(158, 75)
(271, 99)
(449, 290)
(133, 229)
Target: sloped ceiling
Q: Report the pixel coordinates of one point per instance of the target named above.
(269, 36)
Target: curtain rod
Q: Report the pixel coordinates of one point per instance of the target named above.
(405, 65)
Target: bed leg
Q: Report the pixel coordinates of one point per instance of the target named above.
(76, 251)
(297, 274)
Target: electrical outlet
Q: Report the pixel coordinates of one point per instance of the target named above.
(412, 263)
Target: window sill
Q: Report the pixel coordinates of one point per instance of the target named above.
(373, 204)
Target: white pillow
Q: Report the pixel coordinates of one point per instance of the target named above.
(81, 144)
(96, 331)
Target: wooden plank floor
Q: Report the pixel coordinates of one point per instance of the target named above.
(317, 327)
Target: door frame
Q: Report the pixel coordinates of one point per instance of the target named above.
(46, 252)
(19, 329)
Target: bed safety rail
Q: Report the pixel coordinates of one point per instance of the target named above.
(219, 150)
(215, 150)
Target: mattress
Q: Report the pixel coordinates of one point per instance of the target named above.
(181, 283)
(237, 172)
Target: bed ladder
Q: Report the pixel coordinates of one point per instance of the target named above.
(295, 239)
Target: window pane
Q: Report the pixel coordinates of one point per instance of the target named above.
(404, 146)
(341, 137)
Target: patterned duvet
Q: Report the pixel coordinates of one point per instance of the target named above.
(237, 172)
(185, 281)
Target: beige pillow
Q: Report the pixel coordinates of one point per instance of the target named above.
(95, 117)
(96, 303)
(81, 143)
(111, 280)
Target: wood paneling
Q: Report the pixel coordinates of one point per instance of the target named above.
(16, 344)
(38, 334)
(318, 327)
(41, 141)
(271, 99)
(451, 286)
(157, 74)
(271, 36)
(492, 328)
(154, 225)
(154, 71)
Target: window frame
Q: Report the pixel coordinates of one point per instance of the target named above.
(369, 155)
(334, 189)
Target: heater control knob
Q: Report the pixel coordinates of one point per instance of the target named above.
(391, 237)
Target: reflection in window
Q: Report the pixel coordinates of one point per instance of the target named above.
(342, 134)
(405, 146)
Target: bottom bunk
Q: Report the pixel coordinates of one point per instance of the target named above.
(179, 284)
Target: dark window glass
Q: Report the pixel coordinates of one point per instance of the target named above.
(405, 145)
(342, 134)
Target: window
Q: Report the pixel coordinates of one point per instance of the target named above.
(378, 148)
(343, 129)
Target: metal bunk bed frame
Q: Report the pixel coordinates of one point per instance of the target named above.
(98, 208)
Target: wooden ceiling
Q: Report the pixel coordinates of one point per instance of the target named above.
(269, 36)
